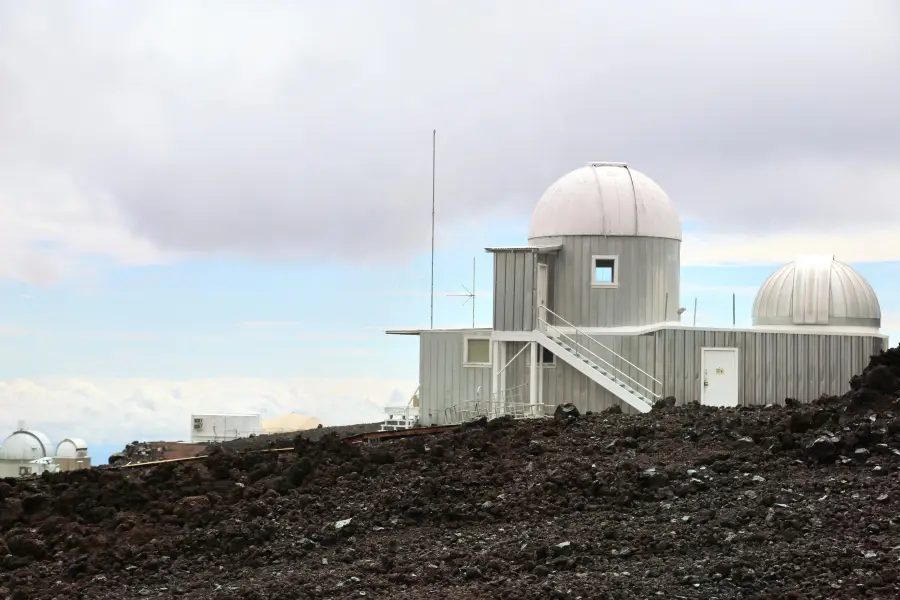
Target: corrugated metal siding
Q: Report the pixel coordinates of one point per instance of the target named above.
(562, 383)
(774, 366)
(444, 381)
(514, 274)
(648, 271)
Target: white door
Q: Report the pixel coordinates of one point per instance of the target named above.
(719, 373)
(542, 294)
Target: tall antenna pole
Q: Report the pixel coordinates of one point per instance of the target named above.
(473, 292)
(433, 156)
(695, 311)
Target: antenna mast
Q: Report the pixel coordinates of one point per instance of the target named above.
(433, 155)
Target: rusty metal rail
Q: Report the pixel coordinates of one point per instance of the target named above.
(372, 436)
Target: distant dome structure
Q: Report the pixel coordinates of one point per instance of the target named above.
(605, 199)
(818, 290)
(25, 445)
(71, 448)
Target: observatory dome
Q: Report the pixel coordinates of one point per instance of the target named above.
(71, 448)
(817, 290)
(26, 444)
(609, 199)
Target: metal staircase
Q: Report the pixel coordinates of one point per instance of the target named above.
(599, 363)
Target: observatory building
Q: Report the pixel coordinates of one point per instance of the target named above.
(588, 312)
(29, 452)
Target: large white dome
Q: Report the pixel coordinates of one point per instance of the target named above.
(817, 290)
(71, 448)
(609, 199)
(26, 445)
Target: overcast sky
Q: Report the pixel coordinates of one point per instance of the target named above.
(135, 131)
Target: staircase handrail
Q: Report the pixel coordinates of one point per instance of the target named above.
(610, 350)
(616, 371)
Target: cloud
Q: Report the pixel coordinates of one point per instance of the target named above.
(111, 411)
(9, 329)
(740, 290)
(269, 324)
(303, 130)
(426, 293)
(890, 321)
(861, 246)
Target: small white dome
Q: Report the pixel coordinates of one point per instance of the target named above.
(26, 445)
(71, 448)
(609, 199)
(815, 289)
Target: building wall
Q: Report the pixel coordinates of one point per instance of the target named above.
(514, 281)
(648, 271)
(774, 366)
(73, 464)
(221, 428)
(10, 468)
(563, 383)
(444, 380)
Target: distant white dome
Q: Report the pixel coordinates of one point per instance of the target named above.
(817, 290)
(26, 444)
(71, 448)
(609, 199)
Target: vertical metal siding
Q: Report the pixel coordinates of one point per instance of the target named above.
(444, 381)
(773, 366)
(514, 280)
(563, 383)
(648, 269)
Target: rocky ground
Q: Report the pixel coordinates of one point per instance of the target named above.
(286, 440)
(140, 452)
(778, 502)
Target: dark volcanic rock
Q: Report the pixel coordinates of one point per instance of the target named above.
(793, 501)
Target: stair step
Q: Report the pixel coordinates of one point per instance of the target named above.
(611, 376)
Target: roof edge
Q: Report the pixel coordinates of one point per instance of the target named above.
(428, 330)
(535, 249)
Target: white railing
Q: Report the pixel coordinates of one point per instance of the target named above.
(617, 366)
(402, 417)
(509, 402)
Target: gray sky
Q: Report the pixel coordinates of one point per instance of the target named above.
(134, 130)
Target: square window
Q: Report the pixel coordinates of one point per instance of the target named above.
(605, 271)
(547, 357)
(478, 351)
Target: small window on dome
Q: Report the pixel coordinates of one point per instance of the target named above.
(605, 272)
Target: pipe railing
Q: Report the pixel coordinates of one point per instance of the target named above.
(617, 371)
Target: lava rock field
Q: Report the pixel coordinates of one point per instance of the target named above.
(797, 500)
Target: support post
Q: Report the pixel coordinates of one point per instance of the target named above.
(494, 396)
(502, 405)
(532, 378)
(540, 393)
